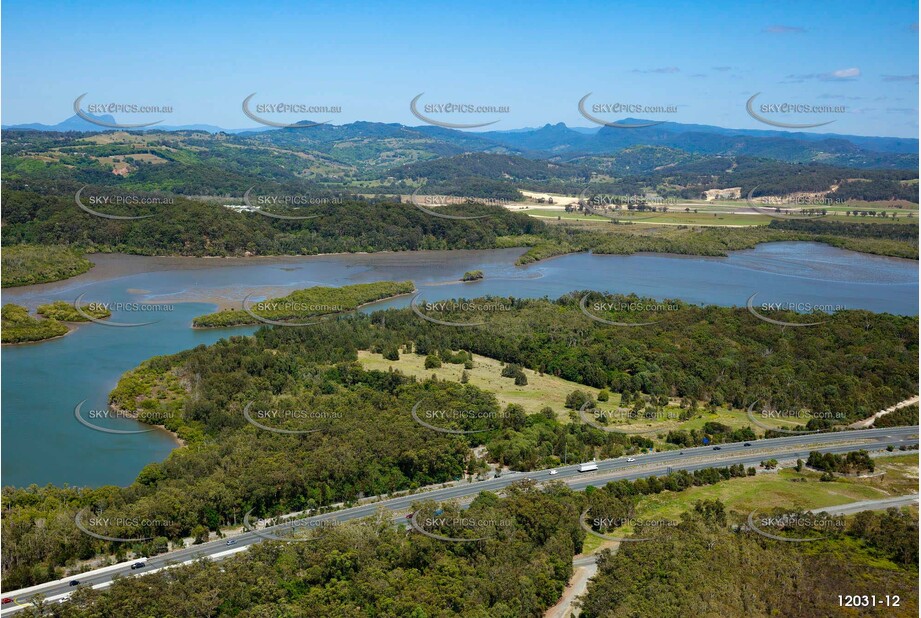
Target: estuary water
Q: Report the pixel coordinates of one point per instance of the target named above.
(44, 443)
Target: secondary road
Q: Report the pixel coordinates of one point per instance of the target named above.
(869, 421)
(651, 464)
(870, 505)
(586, 566)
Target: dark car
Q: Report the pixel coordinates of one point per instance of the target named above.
(6, 600)
(717, 448)
(74, 582)
(138, 565)
(747, 444)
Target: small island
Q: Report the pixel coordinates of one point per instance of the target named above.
(20, 327)
(472, 275)
(31, 264)
(305, 304)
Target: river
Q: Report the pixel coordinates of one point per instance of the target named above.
(44, 443)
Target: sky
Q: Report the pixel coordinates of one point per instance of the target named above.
(537, 59)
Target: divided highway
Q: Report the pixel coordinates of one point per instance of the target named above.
(652, 464)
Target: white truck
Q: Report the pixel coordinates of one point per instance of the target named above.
(588, 467)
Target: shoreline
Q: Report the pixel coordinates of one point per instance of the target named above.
(114, 266)
(180, 443)
(71, 328)
(318, 317)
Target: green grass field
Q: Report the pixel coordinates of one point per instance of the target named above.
(546, 390)
(781, 489)
(541, 390)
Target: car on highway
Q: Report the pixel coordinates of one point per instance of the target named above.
(631, 459)
(717, 448)
(552, 472)
(138, 565)
(232, 542)
(747, 444)
(75, 582)
(6, 600)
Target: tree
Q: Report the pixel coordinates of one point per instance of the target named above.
(576, 399)
(514, 417)
(511, 370)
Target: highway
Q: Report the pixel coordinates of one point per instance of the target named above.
(651, 464)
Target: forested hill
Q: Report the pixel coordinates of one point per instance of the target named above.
(371, 139)
(190, 227)
(392, 160)
(493, 166)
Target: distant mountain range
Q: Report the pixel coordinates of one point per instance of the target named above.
(562, 143)
(76, 123)
(559, 136)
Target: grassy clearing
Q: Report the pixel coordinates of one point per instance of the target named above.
(546, 390)
(783, 489)
(541, 390)
(735, 419)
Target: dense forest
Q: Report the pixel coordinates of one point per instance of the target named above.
(634, 172)
(716, 569)
(714, 565)
(27, 265)
(903, 416)
(34, 221)
(849, 229)
(374, 569)
(189, 227)
(364, 442)
(492, 166)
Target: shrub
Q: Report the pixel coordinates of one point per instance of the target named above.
(577, 399)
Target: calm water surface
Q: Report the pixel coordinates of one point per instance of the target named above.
(43, 443)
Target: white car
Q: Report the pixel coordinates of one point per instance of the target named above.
(552, 472)
(630, 459)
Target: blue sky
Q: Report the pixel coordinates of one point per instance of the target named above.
(538, 58)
